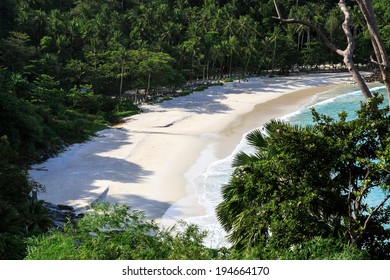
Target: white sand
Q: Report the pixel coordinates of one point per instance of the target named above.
(149, 161)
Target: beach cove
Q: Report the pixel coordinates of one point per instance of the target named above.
(151, 161)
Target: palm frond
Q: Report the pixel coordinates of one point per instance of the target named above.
(243, 158)
(257, 139)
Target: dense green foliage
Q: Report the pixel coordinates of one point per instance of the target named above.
(158, 43)
(316, 248)
(313, 181)
(66, 64)
(65, 61)
(117, 233)
(20, 217)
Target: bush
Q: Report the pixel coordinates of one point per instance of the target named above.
(19, 215)
(12, 247)
(125, 108)
(201, 88)
(185, 92)
(117, 233)
(317, 248)
(21, 124)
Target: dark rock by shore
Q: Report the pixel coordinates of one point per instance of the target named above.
(375, 77)
(61, 214)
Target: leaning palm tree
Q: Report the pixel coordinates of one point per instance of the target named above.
(247, 207)
(237, 212)
(258, 140)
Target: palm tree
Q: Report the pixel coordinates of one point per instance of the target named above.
(37, 217)
(237, 212)
(261, 187)
(275, 36)
(332, 26)
(258, 140)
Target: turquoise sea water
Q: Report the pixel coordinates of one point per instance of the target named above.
(344, 98)
(349, 102)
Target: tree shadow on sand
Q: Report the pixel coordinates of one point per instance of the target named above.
(153, 209)
(210, 101)
(81, 174)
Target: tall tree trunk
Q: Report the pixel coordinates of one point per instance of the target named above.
(121, 81)
(230, 64)
(207, 70)
(299, 42)
(221, 69)
(347, 54)
(247, 64)
(273, 56)
(382, 59)
(148, 87)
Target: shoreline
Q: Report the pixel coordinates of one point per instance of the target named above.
(229, 138)
(265, 112)
(149, 161)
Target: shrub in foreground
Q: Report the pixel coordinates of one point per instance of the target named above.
(114, 233)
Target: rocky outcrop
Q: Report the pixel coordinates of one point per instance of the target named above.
(61, 214)
(375, 77)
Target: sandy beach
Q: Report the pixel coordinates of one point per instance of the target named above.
(148, 162)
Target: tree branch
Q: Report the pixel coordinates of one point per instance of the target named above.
(360, 197)
(347, 26)
(368, 13)
(321, 34)
(371, 215)
(379, 48)
(347, 54)
(349, 205)
(372, 60)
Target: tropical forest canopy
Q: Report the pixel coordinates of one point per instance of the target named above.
(66, 64)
